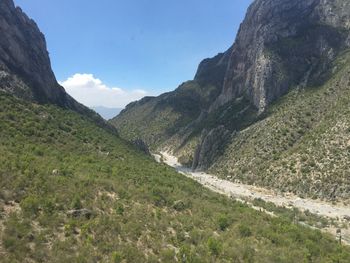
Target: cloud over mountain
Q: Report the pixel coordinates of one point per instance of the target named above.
(92, 92)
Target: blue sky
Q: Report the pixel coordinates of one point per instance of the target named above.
(142, 47)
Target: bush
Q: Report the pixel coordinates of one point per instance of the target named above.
(223, 222)
(244, 231)
(180, 205)
(214, 246)
(116, 257)
(30, 205)
(76, 203)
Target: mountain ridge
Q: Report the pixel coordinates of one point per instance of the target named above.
(281, 47)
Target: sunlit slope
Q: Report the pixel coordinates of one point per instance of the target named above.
(302, 144)
(73, 192)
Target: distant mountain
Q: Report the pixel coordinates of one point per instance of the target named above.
(250, 112)
(107, 113)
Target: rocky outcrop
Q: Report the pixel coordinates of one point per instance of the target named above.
(282, 44)
(25, 67)
(212, 143)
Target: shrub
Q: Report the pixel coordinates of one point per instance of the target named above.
(214, 246)
(116, 257)
(30, 205)
(76, 203)
(244, 231)
(223, 222)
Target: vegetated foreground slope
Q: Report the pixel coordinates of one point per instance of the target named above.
(73, 192)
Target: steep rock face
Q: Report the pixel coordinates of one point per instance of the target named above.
(25, 68)
(23, 52)
(303, 144)
(282, 44)
(294, 53)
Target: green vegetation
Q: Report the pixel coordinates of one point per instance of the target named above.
(302, 144)
(73, 192)
(156, 120)
(303, 217)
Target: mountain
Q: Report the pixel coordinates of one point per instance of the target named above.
(71, 190)
(107, 113)
(250, 112)
(25, 67)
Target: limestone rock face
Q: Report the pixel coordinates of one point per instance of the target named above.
(23, 53)
(282, 44)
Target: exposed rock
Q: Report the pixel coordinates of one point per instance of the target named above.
(211, 145)
(25, 67)
(23, 53)
(281, 44)
(55, 172)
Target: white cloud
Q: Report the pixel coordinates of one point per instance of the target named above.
(92, 92)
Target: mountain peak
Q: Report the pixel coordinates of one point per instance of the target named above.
(281, 46)
(300, 37)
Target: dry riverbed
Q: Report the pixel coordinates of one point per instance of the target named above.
(337, 213)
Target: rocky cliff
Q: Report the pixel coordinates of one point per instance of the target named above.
(282, 44)
(252, 110)
(25, 67)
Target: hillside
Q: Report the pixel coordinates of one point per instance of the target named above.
(275, 88)
(73, 192)
(302, 144)
(156, 119)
